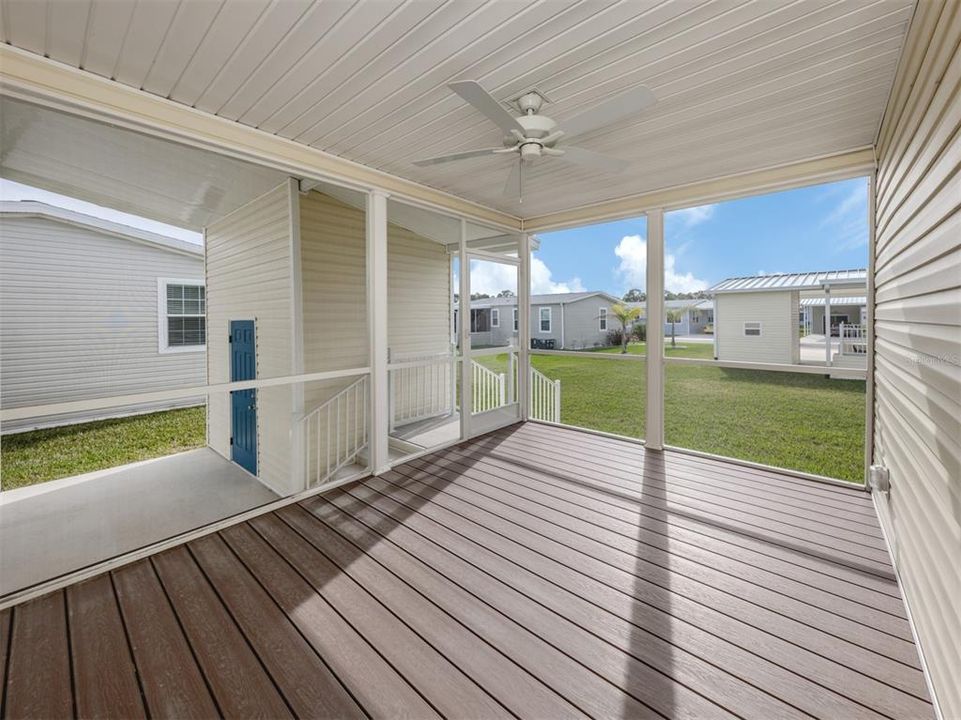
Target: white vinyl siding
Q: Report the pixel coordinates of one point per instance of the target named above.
(774, 313)
(917, 327)
(582, 324)
(79, 318)
(249, 278)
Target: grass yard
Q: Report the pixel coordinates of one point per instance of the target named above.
(790, 420)
(41, 455)
(704, 350)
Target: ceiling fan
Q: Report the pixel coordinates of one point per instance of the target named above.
(531, 135)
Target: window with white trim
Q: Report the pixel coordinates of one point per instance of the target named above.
(544, 317)
(752, 329)
(182, 315)
(495, 317)
(602, 325)
(516, 321)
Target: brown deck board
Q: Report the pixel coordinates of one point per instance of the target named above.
(99, 641)
(173, 685)
(303, 678)
(236, 677)
(38, 671)
(352, 660)
(536, 571)
(695, 559)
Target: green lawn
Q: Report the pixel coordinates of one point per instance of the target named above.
(692, 349)
(791, 420)
(41, 455)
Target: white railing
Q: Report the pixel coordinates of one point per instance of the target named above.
(421, 387)
(545, 397)
(853, 340)
(489, 389)
(336, 432)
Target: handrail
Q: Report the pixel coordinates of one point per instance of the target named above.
(488, 388)
(545, 397)
(342, 420)
(421, 387)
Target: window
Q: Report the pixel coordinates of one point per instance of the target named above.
(603, 320)
(495, 317)
(752, 329)
(544, 314)
(516, 322)
(182, 309)
(480, 320)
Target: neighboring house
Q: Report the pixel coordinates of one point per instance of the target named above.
(573, 321)
(93, 308)
(757, 317)
(696, 316)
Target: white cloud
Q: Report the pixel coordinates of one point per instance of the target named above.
(492, 277)
(689, 217)
(632, 250)
(848, 220)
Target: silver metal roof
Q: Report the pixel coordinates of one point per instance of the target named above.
(835, 300)
(794, 281)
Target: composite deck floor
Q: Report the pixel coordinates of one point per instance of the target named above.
(536, 572)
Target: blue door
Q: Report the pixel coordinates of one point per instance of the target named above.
(243, 403)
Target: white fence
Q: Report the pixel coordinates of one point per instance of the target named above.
(853, 340)
(336, 432)
(545, 397)
(489, 389)
(421, 387)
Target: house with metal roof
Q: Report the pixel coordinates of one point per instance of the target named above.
(762, 318)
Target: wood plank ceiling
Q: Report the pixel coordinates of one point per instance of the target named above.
(740, 84)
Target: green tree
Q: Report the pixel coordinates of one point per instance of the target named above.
(625, 316)
(674, 316)
(634, 295)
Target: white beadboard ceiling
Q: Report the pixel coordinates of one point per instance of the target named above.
(741, 84)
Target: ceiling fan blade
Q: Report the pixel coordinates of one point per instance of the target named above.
(477, 96)
(458, 156)
(593, 160)
(607, 113)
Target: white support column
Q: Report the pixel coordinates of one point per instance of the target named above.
(377, 323)
(463, 315)
(655, 330)
(524, 327)
(298, 465)
(827, 325)
(869, 330)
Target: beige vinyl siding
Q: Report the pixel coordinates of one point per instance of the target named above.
(917, 413)
(333, 250)
(796, 327)
(776, 311)
(79, 318)
(249, 278)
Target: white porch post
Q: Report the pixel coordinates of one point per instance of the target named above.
(655, 330)
(524, 327)
(377, 324)
(827, 325)
(463, 314)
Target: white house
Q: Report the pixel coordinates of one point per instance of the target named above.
(94, 308)
(759, 318)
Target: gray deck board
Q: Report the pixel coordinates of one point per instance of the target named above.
(533, 572)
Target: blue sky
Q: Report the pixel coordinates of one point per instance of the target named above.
(814, 228)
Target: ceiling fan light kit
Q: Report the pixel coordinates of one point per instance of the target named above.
(532, 135)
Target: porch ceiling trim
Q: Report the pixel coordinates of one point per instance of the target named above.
(32, 78)
(829, 168)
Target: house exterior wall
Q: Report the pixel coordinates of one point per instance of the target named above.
(333, 250)
(249, 277)
(853, 313)
(80, 319)
(917, 328)
(776, 311)
(555, 332)
(582, 323)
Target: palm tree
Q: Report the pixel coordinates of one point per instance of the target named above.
(674, 316)
(625, 316)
